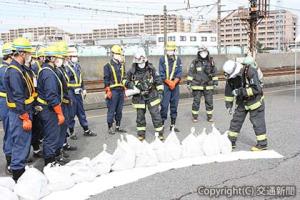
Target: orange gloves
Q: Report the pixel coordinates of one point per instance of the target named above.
(108, 93)
(172, 84)
(60, 116)
(27, 124)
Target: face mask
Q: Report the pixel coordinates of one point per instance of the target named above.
(27, 59)
(117, 57)
(142, 65)
(170, 53)
(203, 54)
(58, 62)
(74, 59)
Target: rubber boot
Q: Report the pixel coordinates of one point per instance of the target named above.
(17, 174)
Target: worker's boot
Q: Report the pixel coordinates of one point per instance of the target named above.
(73, 135)
(88, 132)
(141, 137)
(161, 136)
(118, 129)
(209, 118)
(259, 147)
(173, 121)
(8, 171)
(61, 158)
(17, 174)
(110, 129)
(68, 147)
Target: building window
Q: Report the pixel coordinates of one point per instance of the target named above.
(161, 39)
(193, 38)
(182, 38)
(213, 39)
(203, 39)
(171, 38)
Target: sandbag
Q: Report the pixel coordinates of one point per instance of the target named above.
(32, 185)
(190, 146)
(159, 149)
(82, 170)
(173, 146)
(146, 156)
(225, 144)
(7, 194)
(102, 162)
(123, 157)
(200, 140)
(59, 177)
(7, 182)
(211, 145)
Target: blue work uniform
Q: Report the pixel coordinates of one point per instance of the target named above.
(114, 77)
(4, 111)
(36, 124)
(36, 67)
(50, 94)
(20, 89)
(66, 104)
(170, 69)
(76, 86)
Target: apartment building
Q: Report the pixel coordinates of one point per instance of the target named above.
(48, 33)
(277, 30)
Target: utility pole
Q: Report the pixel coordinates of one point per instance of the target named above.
(279, 26)
(165, 29)
(219, 27)
(258, 10)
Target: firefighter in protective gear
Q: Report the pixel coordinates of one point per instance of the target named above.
(243, 86)
(144, 77)
(19, 89)
(77, 92)
(170, 70)
(114, 81)
(50, 96)
(66, 104)
(202, 79)
(7, 58)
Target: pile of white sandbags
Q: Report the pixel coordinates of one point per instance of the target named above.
(130, 153)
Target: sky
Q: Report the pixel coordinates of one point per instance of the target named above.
(93, 14)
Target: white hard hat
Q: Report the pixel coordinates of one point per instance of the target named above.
(232, 68)
(140, 56)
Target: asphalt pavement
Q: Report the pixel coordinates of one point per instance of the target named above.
(283, 125)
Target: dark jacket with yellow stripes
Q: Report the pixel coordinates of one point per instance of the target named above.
(202, 74)
(247, 82)
(148, 81)
(19, 88)
(114, 75)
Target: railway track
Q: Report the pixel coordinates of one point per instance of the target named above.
(98, 86)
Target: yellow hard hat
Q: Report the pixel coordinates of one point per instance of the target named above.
(72, 51)
(41, 52)
(171, 46)
(53, 51)
(117, 49)
(62, 47)
(7, 48)
(22, 44)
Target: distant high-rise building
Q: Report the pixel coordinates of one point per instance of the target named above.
(277, 29)
(47, 33)
(208, 27)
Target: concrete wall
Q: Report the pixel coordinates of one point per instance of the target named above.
(93, 66)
